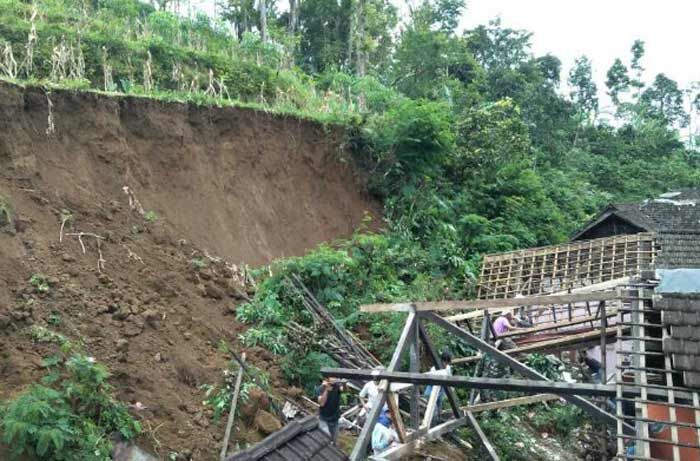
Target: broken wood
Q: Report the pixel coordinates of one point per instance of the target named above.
(514, 402)
(549, 344)
(232, 411)
(393, 404)
(518, 385)
(524, 370)
(437, 306)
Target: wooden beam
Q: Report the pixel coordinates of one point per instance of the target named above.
(482, 437)
(437, 306)
(530, 386)
(393, 404)
(565, 341)
(523, 369)
(232, 410)
(430, 408)
(359, 451)
(555, 326)
(437, 362)
(400, 451)
(514, 402)
(414, 367)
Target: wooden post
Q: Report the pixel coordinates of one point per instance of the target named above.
(437, 362)
(232, 411)
(485, 329)
(414, 356)
(393, 404)
(360, 448)
(603, 373)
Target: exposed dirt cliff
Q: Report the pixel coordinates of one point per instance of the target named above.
(201, 183)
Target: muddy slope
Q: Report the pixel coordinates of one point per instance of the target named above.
(244, 184)
(229, 183)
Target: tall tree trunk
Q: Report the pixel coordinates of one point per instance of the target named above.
(293, 16)
(263, 20)
(352, 32)
(361, 55)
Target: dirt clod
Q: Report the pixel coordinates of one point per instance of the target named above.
(267, 423)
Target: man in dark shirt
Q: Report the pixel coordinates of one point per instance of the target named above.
(593, 366)
(329, 406)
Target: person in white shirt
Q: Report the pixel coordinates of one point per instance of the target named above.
(368, 394)
(446, 358)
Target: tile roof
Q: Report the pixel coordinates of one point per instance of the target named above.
(298, 441)
(678, 250)
(681, 314)
(676, 212)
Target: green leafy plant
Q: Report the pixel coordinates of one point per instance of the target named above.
(39, 282)
(558, 419)
(219, 397)
(150, 216)
(198, 263)
(54, 318)
(69, 416)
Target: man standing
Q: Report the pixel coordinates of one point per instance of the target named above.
(367, 395)
(593, 365)
(329, 407)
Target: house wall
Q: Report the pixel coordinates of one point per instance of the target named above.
(611, 226)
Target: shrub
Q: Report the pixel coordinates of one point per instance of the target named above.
(67, 417)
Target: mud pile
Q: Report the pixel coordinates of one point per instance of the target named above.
(181, 197)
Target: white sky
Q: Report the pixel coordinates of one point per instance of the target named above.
(604, 30)
(601, 29)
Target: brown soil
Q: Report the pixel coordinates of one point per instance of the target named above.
(239, 184)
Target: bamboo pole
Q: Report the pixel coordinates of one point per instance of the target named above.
(232, 411)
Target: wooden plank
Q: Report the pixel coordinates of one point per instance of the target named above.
(232, 410)
(360, 448)
(400, 451)
(530, 386)
(414, 364)
(482, 437)
(430, 408)
(567, 340)
(437, 363)
(439, 306)
(514, 402)
(393, 404)
(523, 369)
(555, 326)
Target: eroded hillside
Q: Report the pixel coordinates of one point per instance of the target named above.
(153, 301)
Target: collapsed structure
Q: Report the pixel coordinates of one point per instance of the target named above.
(628, 283)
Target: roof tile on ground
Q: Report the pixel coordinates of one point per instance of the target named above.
(298, 441)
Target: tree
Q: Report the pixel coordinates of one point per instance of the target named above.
(496, 47)
(584, 91)
(663, 101)
(429, 55)
(263, 20)
(637, 55)
(240, 13)
(325, 28)
(618, 81)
